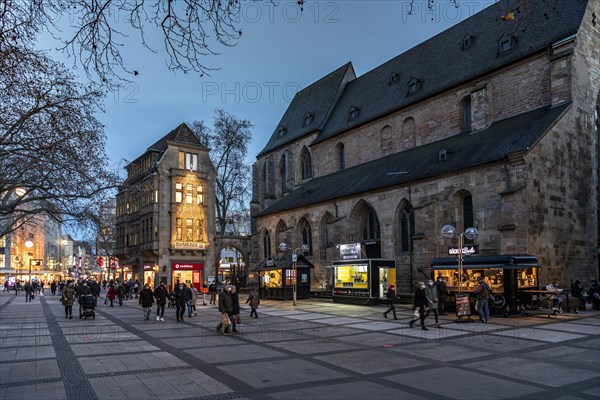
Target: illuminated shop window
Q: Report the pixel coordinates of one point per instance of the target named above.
(352, 276)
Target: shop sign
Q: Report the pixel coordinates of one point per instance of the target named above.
(188, 245)
(350, 251)
(466, 250)
(211, 279)
(270, 262)
(187, 266)
(148, 267)
(37, 263)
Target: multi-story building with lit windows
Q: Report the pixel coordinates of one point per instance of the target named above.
(165, 215)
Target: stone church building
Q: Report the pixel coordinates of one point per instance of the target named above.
(492, 124)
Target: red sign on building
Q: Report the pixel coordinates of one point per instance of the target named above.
(183, 266)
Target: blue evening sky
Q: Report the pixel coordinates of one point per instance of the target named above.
(280, 52)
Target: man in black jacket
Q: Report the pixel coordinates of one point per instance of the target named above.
(212, 289)
(225, 308)
(161, 294)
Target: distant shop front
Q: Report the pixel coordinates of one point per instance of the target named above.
(190, 273)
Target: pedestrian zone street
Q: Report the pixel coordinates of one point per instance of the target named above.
(316, 350)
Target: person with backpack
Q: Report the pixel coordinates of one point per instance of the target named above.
(483, 297)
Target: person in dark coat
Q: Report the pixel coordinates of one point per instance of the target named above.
(420, 304)
(180, 301)
(53, 288)
(254, 300)
(146, 301)
(28, 291)
(390, 295)
(161, 294)
(225, 308)
(212, 289)
(68, 298)
(442, 290)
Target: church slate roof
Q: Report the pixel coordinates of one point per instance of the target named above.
(182, 134)
(441, 62)
(317, 99)
(501, 139)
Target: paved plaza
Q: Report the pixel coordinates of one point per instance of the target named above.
(316, 350)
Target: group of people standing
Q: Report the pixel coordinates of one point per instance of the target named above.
(229, 309)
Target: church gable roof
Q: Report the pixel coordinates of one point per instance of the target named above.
(501, 139)
(309, 108)
(445, 60)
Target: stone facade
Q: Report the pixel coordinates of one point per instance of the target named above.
(540, 200)
(166, 210)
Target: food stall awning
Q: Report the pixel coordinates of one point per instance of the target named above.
(276, 263)
(510, 261)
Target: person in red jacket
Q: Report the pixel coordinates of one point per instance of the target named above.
(112, 293)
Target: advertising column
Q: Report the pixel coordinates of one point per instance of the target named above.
(188, 273)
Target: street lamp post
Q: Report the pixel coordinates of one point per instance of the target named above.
(29, 244)
(283, 247)
(448, 231)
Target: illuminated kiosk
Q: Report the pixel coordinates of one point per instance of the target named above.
(510, 277)
(277, 277)
(361, 281)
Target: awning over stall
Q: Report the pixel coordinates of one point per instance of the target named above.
(287, 263)
(510, 261)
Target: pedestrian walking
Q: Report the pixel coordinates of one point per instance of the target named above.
(136, 288)
(28, 291)
(212, 290)
(180, 302)
(193, 294)
(433, 301)
(53, 288)
(68, 298)
(146, 301)
(420, 304)
(6, 287)
(483, 297)
(121, 292)
(442, 290)
(112, 293)
(390, 295)
(161, 294)
(225, 310)
(254, 300)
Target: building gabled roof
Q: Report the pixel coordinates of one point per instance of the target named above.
(500, 140)
(182, 134)
(445, 61)
(316, 99)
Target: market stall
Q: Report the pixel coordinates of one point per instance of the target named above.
(510, 277)
(362, 281)
(277, 277)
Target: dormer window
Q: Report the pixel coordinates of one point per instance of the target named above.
(505, 43)
(443, 154)
(281, 131)
(413, 86)
(353, 113)
(467, 41)
(308, 118)
(394, 77)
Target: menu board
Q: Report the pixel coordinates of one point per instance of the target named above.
(463, 307)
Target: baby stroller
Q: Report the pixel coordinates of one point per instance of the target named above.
(87, 304)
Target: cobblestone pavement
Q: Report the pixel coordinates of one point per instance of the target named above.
(317, 350)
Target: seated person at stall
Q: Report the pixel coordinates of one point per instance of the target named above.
(555, 297)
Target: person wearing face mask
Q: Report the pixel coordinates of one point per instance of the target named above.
(420, 304)
(431, 292)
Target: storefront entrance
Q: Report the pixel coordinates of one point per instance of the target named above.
(188, 273)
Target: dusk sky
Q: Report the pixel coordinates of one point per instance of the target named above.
(281, 51)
